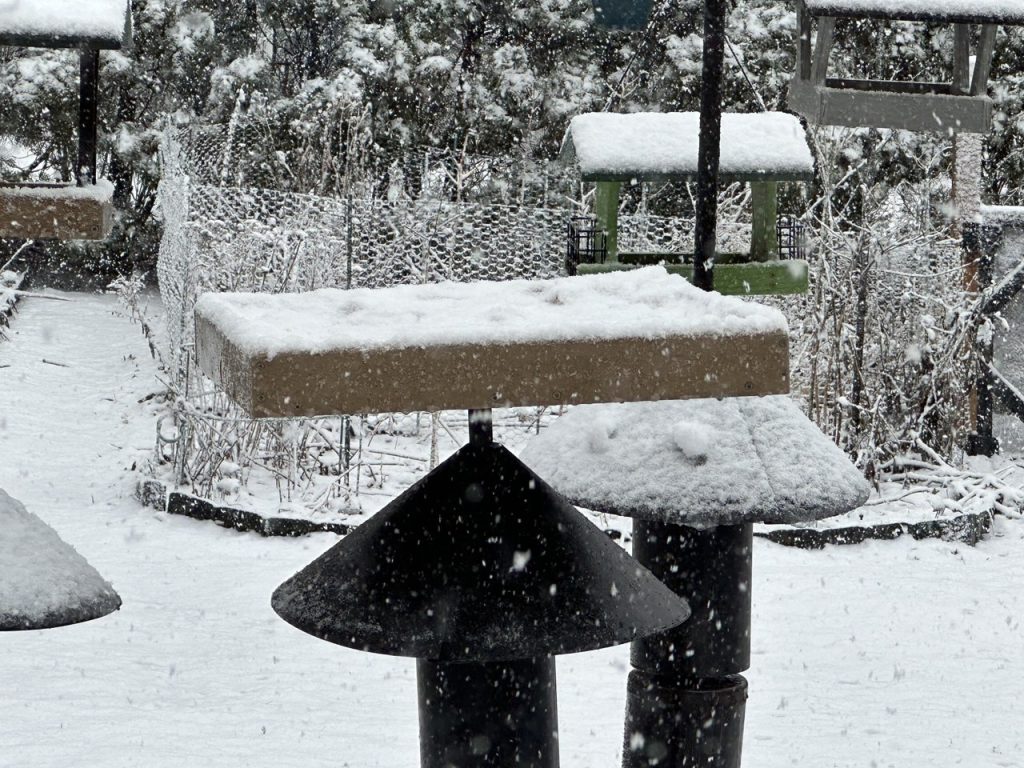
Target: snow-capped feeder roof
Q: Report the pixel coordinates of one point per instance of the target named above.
(947, 11)
(479, 561)
(65, 23)
(638, 335)
(662, 146)
(699, 462)
(44, 582)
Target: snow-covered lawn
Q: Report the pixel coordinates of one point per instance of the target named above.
(883, 654)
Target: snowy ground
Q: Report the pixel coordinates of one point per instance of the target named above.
(883, 654)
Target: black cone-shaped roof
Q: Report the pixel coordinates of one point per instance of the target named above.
(479, 561)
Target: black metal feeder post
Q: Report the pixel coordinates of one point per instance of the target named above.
(88, 104)
(483, 573)
(708, 149)
(981, 242)
(686, 700)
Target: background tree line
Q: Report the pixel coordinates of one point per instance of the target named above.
(487, 77)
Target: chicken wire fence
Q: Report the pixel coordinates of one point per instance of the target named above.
(231, 224)
(223, 235)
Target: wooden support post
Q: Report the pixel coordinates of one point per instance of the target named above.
(983, 60)
(764, 242)
(709, 149)
(803, 51)
(606, 208)
(88, 100)
(822, 48)
(961, 58)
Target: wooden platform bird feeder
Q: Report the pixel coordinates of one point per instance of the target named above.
(959, 105)
(83, 210)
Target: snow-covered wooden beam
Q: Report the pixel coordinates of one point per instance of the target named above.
(937, 11)
(662, 146)
(97, 24)
(56, 211)
(640, 335)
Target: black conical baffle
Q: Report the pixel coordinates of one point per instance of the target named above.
(481, 560)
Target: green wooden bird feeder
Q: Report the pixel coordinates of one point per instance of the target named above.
(622, 14)
(761, 149)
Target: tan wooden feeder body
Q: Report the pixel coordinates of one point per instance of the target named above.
(615, 360)
(55, 212)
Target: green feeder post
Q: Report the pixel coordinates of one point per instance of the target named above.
(606, 208)
(764, 241)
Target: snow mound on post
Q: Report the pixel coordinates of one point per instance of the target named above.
(44, 582)
(698, 462)
(663, 145)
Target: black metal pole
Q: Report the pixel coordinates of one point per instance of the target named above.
(88, 101)
(493, 714)
(981, 243)
(686, 700)
(481, 430)
(708, 149)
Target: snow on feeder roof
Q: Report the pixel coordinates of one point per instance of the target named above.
(65, 23)
(662, 146)
(44, 582)
(946, 11)
(474, 345)
(698, 462)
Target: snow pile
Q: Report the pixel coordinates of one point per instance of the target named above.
(645, 303)
(44, 582)
(994, 11)
(698, 462)
(662, 145)
(85, 20)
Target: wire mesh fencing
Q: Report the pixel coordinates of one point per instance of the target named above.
(219, 236)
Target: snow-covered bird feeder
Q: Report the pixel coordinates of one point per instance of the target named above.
(960, 105)
(761, 149)
(695, 476)
(82, 211)
(639, 335)
(480, 570)
(44, 582)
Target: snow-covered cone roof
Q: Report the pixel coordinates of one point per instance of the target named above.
(698, 462)
(44, 582)
(65, 23)
(952, 11)
(662, 146)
